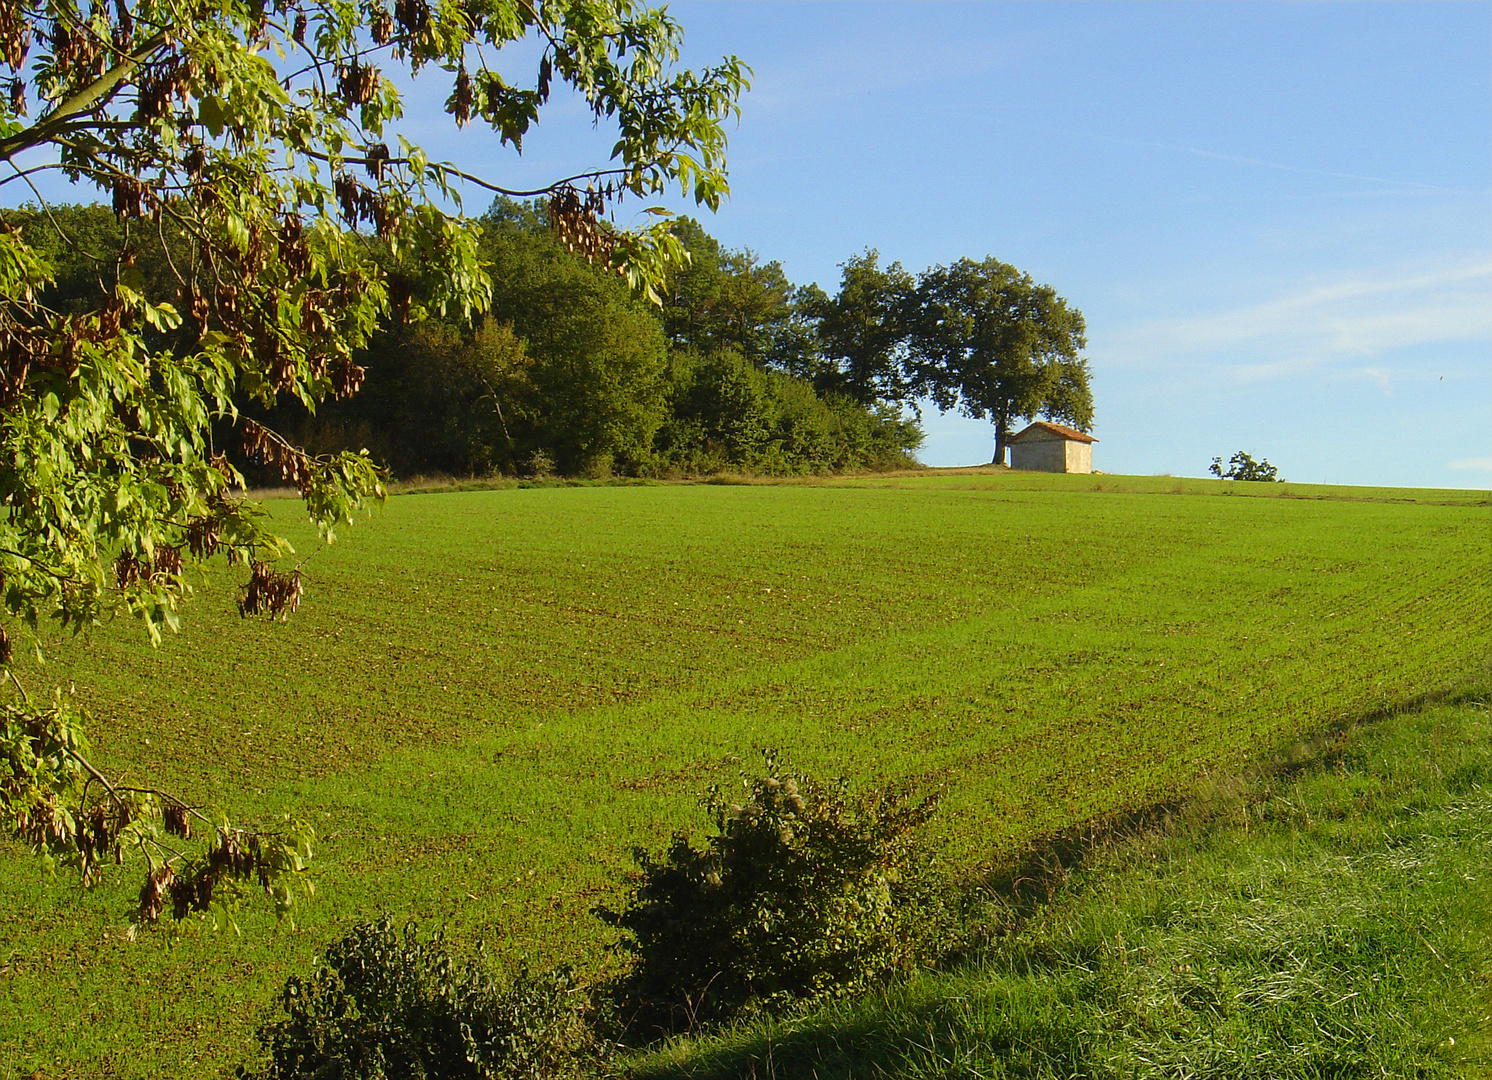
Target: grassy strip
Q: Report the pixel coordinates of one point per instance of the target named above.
(1329, 918)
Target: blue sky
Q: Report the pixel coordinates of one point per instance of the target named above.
(1275, 217)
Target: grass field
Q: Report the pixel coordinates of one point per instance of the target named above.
(489, 696)
(1329, 915)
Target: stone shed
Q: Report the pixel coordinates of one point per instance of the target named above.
(1048, 447)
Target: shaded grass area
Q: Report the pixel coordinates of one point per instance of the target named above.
(1330, 918)
(488, 697)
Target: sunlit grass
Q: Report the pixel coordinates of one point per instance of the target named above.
(489, 696)
(1335, 922)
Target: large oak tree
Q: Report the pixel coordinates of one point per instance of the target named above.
(990, 341)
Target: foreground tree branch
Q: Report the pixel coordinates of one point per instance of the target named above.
(292, 231)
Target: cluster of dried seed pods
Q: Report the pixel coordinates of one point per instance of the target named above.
(374, 158)
(462, 97)
(270, 592)
(131, 569)
(357, 82)
(24, 346)
(15, 35)
(97, 837)
(263, 447)
(292, 247)
(19, 346)
(347, 377)
(202, 537)
(160, 84)
(177, 820)
(381, 27)
(131, 197)
(153, 893)
(576, 220)
(237, 855)
(359, 203)
(412, 15)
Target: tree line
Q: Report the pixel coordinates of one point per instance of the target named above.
(569, 371)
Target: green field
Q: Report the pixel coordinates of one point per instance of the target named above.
(1327, 913)
(488, 697)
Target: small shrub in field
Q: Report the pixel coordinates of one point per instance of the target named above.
(805, 891)
(388, 1006)
(1242, 466)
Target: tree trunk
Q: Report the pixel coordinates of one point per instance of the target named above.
(1002, 432)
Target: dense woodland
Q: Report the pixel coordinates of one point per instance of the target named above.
(570, 372)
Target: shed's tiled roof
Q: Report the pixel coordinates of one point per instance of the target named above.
(1061, 430)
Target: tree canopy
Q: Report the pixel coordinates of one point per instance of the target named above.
(570, 373)
(256, 149)
(990, 341)
(863, 329)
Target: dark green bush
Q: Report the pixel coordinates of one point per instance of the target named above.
(724, 412)
(803, 892)
(388, 1005)
(1242, 466)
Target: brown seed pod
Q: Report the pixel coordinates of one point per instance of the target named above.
(194, 161)
(401, 296)
(577, 225)
(167, 563)
(15, 35)
(205, 885)
(461, 98)
(385, 216)
(412, 15)
(374, 159)
(153, 892)
(202, 537)
(347, 378)
(128, 570)
(183, 896)
(357, 82)
(176, 820)
(128, 194)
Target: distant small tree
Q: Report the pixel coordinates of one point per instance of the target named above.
(1242, 466)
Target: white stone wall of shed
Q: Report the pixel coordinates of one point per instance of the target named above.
(1039, 455)
(1051, 455)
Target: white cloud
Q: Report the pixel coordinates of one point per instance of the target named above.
(1282, 167)
(1474, 464)
(1377, 375)
(1343, 322)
